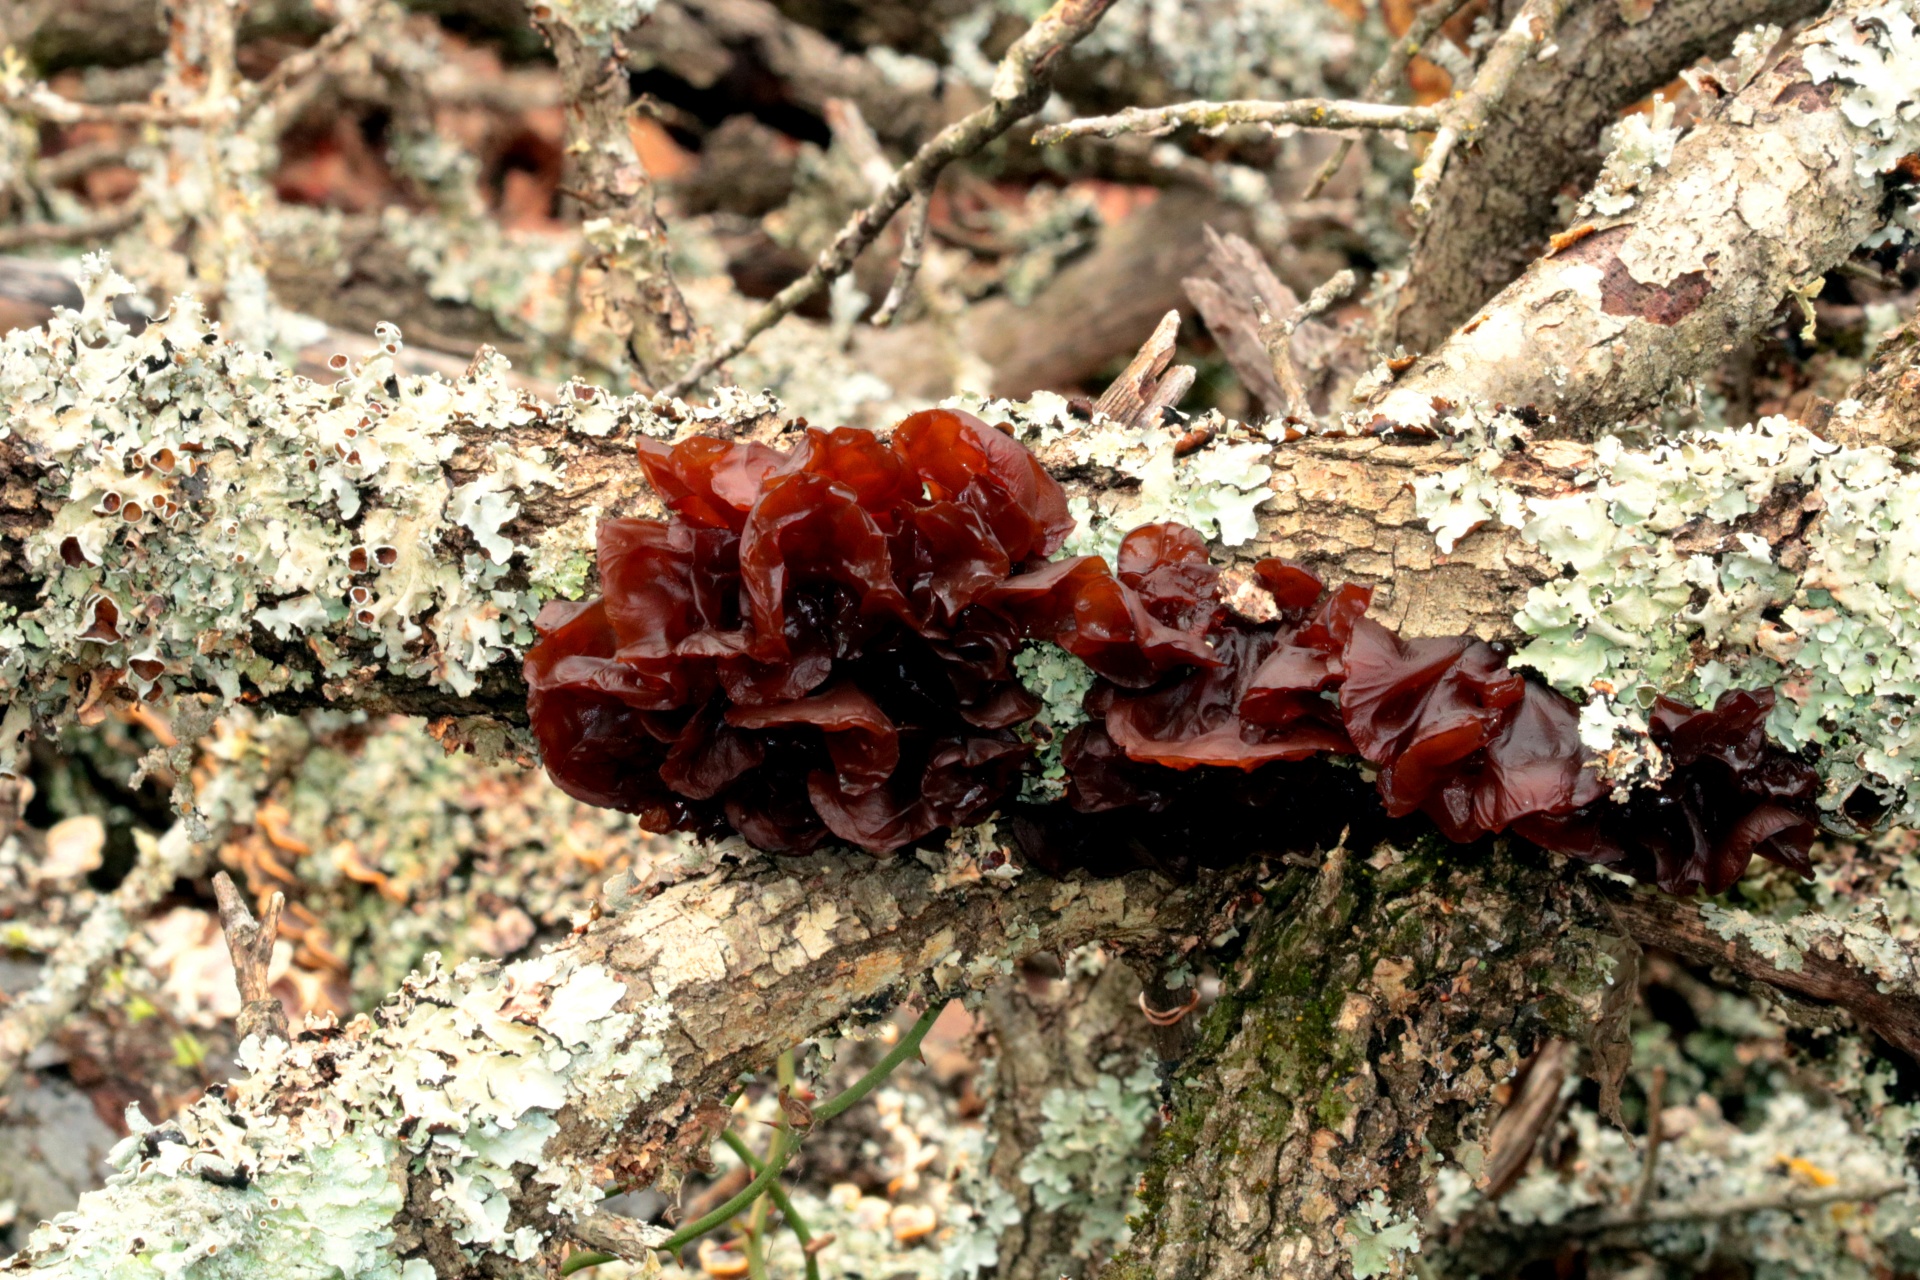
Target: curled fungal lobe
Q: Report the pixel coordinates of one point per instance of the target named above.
(819, 643)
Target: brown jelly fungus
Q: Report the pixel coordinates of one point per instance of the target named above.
(818, 644)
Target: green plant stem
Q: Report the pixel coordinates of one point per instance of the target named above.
(781, 1200)
(866, 1084)
(785, 1143)
(757, 1238)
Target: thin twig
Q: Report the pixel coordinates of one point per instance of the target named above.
(1650, 1165)
(1466, 114)
(1019, 89)
(1278, 332)
(250, 942)
(912, 250)
(1304, 113)
(39, 101)
(1785, 1200)
(76, 162)
(99, 227)
(1425, 25)
(296, 67)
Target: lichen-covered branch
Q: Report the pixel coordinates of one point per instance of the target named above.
(1852, 964)
(1781, 184)
(184, 515)
(628, 240)
(464, 1125)
(1303, 113)
(76, 964)
(1494, 207)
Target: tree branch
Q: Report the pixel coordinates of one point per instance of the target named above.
(1305, 113)
(1849, 964)
(1758, 201)
(628, 240)
(1494, 207)
(607, 1053)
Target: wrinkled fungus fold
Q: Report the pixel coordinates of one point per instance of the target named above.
(817, 644)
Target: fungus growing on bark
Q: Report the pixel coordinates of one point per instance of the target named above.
(819, 643)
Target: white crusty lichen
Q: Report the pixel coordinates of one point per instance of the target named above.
(214, 515)
(1089, 1155)
(450, 1092)
(1876, 56)
(1671, 584)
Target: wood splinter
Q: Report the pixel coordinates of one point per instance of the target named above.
(251, 944)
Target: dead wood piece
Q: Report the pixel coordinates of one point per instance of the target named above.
(1147, 385)
(1495, 205)
(1531, 1113)
(250, 942)
(1836, 979)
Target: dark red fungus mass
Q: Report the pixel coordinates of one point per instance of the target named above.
(819, 644)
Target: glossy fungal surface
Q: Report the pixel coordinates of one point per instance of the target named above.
(817, 644)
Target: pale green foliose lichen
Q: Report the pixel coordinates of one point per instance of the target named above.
(1378, 1240)
(1638, 147)
(1668, 587)
(301, 1168)
(1089, 1155)
(980, 1209)
(1216, 490)
(1061, 682)
(1857, 935)
(1877, 57)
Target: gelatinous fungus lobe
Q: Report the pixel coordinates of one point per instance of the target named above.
(799, 651)
(819, 642)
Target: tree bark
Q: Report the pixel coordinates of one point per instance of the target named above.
(1383, 998)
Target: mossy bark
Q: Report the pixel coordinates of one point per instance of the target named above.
(1361, 1041)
